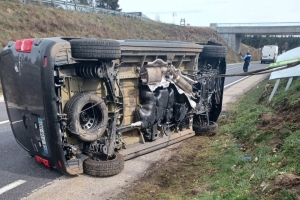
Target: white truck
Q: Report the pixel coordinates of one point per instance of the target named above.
(269, 54)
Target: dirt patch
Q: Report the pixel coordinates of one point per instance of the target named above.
(284, 113)
(287, 180)
(283, 182)
(270, 122)
(179, 176)
(200, 189)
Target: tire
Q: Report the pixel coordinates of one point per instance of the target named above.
(87, 123)
(95, 49)
(205, 130)
(210, 51)
(104, 168)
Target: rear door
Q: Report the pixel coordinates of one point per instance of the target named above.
(268, 52)
(22, 87)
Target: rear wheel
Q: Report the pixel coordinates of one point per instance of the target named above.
(100, 166)
(95, 49)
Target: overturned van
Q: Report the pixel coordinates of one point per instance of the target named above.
(86, 105)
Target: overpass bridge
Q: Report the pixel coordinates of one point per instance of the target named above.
(232, 33)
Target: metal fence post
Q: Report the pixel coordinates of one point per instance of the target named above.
(274, 89)
(288, 84)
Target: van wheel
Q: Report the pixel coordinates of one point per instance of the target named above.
(210, 51)
(205, 130)
(87, 116)
(95, 49)
(99, 166)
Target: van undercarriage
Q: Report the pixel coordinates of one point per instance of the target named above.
(86, 105)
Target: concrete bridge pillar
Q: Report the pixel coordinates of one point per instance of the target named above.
(233, 41)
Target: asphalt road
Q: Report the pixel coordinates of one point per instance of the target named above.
(238, 68)
(20, 174)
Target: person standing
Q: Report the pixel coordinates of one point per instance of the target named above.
(247, 58)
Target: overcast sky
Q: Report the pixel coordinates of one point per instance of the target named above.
(204, 12)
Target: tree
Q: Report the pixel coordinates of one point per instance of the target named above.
(285, 43)
(108, 4)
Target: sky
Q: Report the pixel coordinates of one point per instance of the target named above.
(204, 12)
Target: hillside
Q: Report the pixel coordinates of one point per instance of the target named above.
(31, 21)
(20, 21)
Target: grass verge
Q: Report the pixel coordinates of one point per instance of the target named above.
(257, 144)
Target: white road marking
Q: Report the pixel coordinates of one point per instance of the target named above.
(233, 68)
(235, 82)
(234, 64)
(11, 186)
(4, 122)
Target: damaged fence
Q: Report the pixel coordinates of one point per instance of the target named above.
(291, 57)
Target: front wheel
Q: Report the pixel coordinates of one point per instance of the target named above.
(209, 129)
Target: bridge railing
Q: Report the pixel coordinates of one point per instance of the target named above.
(69, 5)
(258, 24)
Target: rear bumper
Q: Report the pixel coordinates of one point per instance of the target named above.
(268, 60)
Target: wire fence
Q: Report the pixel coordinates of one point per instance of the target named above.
(70, 5)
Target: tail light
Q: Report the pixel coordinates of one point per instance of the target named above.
(38, 159)
(24, 45)
(59, 163)
(46, 163)
(42, 161)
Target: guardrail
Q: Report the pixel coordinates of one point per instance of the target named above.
(85, 8)
(258, 24)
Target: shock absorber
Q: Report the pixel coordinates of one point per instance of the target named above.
(89, 71)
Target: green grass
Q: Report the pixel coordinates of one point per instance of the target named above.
(277, 149)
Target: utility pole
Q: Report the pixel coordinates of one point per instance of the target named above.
(182, 22)
(174, 15)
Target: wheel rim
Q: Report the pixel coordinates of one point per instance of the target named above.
(103, 157)
(89, 116)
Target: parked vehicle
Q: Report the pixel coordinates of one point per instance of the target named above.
(86, 105)
(269, 54)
